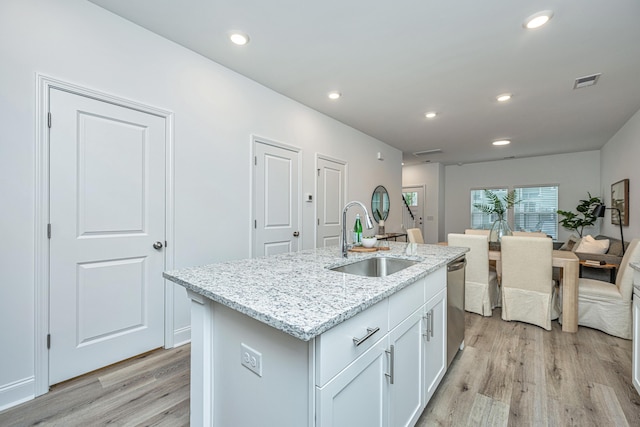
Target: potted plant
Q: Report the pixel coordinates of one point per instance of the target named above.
(584, 218)
(498, 206)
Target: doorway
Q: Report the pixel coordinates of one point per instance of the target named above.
(276, 198)
(105, 188)
(330, 200)
(413, 209)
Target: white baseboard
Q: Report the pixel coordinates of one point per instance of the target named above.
(181, 336)
(17, 392)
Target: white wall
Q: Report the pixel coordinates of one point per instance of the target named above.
(431, 176)
(619, 160)
(575, 174)
(216, 112)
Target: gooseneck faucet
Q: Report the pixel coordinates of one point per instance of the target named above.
(368, 224)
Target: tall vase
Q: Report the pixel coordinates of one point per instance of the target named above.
(499, 228)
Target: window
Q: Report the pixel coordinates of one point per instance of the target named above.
(411, 198)
(479, 219)
(537, 210)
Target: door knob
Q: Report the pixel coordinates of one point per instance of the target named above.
(296, 233)
(157, 245)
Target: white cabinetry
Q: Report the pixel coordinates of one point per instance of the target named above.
(435, 360)
(378, 368)
(357, 396)
(391, 381)
(635, 367)
(406, 391)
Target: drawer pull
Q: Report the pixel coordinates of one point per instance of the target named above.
(370, 332)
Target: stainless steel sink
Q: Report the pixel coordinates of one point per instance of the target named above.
(375, 267)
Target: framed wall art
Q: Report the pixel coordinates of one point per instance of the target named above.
(620, 200)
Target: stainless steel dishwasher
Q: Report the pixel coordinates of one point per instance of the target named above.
(455, 307)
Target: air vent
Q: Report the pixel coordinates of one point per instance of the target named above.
(586, 81)
(426, 152)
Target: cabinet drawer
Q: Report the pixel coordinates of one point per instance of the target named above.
(336, 348)
(434, 283)
(405, 302)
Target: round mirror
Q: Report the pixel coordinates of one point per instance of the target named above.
(380, 203)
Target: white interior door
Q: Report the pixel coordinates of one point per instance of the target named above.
(329, 202)
(415, 198)
(107, 210)
(276, 200)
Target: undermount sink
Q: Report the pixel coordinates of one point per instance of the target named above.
(375, 267)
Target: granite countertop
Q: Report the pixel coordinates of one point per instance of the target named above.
(297, 294)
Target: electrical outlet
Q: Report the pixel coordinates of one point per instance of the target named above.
(251, 359)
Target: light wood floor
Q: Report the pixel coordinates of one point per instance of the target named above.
(148, 390)
(509, 374)
(516, 374)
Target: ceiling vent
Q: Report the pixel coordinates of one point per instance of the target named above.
(586, 81)
(426, 152)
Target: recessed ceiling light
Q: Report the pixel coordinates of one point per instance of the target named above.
(430, 114)
(334, 95)
(239, 38)
(503, 97)
(501, 142)
(537, 20)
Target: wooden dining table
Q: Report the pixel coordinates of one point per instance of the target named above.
(570, 265)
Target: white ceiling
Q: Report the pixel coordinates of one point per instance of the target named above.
(395, 60)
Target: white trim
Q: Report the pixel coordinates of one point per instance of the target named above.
(17, 392)
(41, 296)
(256, 139)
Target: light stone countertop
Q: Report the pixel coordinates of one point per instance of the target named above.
(297, 294)
(635, 265)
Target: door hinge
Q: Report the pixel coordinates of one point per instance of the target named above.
(255, 161)
(49, 120)
(318, 221)
(318, 172)
(255, 223)
(48, 341)
(48, 231)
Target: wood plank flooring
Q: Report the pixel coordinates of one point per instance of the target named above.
(516, 374)
(509, 374)
(147, 390)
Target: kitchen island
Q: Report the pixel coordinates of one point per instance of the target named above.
(284, 340)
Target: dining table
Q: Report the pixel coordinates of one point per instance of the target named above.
(570, 265)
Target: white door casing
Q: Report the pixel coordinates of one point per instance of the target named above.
(107, 210)
(276, 198)
(330, 200)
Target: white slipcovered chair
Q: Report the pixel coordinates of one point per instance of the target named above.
(414, 235)
(606, 306)
(530, 234)
(528, 290)
(477, 231)
(481, 282)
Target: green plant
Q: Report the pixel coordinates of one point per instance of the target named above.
(497, 205)
(584, 218)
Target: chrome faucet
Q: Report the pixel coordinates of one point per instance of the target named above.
(368, 224)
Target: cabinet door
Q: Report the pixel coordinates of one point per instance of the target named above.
(406, 363)
(358, 395)
(435, 339)
(635, 368)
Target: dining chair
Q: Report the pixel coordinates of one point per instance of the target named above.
(606, 306)
(528, 290)
(477, 231)
(530, 234)
(414, 235)
(481, 282)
